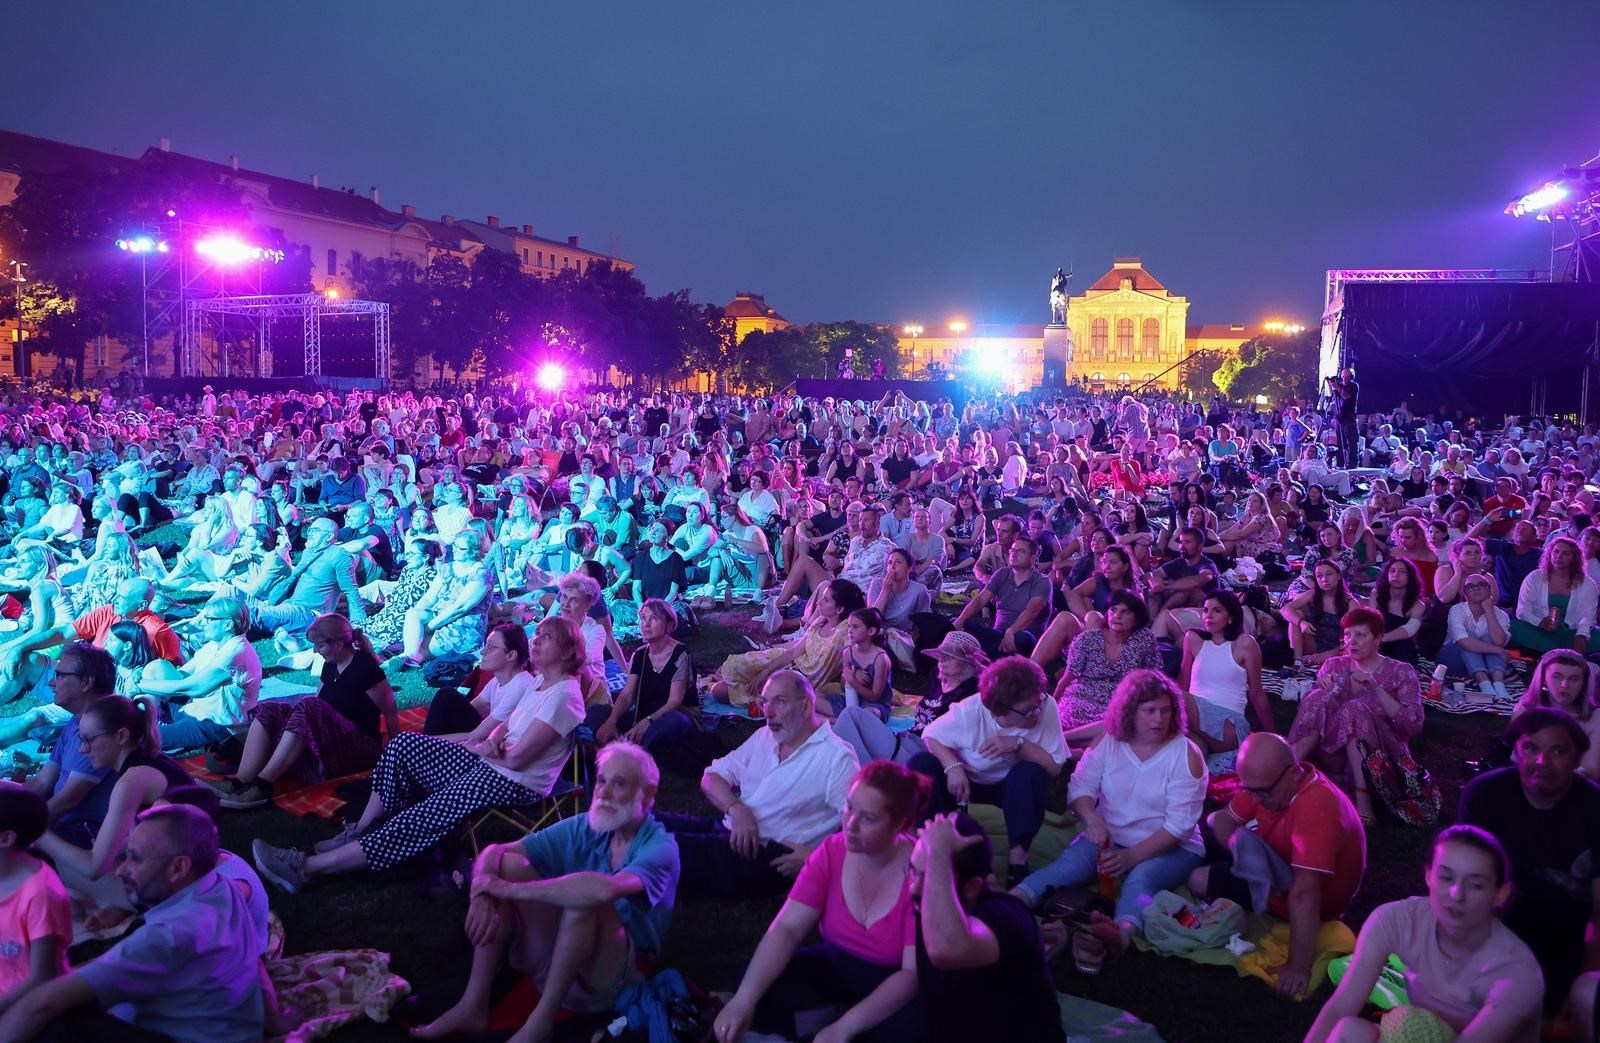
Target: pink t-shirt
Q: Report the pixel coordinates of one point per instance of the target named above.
(820, 886)
(1503, 971)
(38, 909)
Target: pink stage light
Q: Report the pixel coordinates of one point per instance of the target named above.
(1539, 199)
(227, 250)
(551, 377)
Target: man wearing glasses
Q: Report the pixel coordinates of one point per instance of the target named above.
(1312, 836)
(76, 792)
(190, 974)
(221, 681)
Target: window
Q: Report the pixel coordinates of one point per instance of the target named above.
(1098, 378)
(1151, 338)
(1124, 338)
(333, 262)
(355, 261)
(524, 255)
(541, 260)
(565, 261)
(1123, 378)
(1097, 339)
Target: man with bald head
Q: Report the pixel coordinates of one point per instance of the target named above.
(1307, 822)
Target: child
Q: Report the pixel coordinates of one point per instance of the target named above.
(866, 667)
(35, 913)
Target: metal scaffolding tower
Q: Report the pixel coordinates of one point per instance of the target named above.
(211, 314)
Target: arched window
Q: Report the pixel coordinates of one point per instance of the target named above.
(1097, 339)
(1151, 339)
(1098, 378)
(1124, 338)
(1123, 378)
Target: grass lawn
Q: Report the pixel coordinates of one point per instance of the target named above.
(418, 918)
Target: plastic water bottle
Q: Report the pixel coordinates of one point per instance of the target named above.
(1436, 689)
(852, 697)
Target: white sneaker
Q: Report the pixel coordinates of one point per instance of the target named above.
(773, 620)
(1488, 688)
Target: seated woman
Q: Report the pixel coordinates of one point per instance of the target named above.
(1411, 544)
(1116, 572)
(1221, 671)
(1467, 975)
(1255, 533)
(23, 667)
(1139, 791)
(1466, 559)
(1135, 534)
(741, 557)
(958, 660)
(650, 710)
(118, 735)
(324, 736)
(205, 557)
(1329, 545)
(999, 747)
(1098, 659)
(1476, 635)
(818, 652)
(386, 627)
(1564, 680)
(505, 660)
(136, 657)
(1313, 617)
(1359, 698)
(1557, 601)
(855, 889)
(453, 616)
(1398, 597)
(424, 786)
(903, 601)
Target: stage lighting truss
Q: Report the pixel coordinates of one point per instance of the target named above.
(1570, 204)
(263, 310)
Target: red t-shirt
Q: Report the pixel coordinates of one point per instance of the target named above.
(1319, 831)
(94, 625)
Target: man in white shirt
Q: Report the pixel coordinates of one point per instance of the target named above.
(781, 793)
(222, 681)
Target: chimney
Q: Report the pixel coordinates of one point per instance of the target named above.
(572, 240)
(446, 219)
(316, 182)
(494, 222)
(408, 210)
(233, 161)
(165, 144)
(527, 229)
(375, 198)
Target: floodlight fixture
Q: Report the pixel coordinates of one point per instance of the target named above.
(229, 250)
(1540, 199)
(551, 377)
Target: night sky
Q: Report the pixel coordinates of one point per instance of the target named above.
(880, 160)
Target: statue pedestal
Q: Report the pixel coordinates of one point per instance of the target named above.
(1058, 350)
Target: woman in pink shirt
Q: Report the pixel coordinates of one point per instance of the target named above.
(35, 913)
(1464, 968)
(856, 889)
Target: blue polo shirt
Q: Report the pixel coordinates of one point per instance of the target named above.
(192, 971)
(571, 846)
(77, 826)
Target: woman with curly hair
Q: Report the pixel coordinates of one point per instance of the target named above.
(1556, 605)
(1138, 791)
(818, 653)
(1398, 596)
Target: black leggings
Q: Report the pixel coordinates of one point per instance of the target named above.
(133, 506)
(819, 984)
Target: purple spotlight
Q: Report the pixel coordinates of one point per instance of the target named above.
(551, 377)
(1539, 199)
(228, 250)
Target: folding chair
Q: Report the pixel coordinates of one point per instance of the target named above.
(566, 796)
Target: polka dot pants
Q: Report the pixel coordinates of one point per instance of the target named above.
(428, 786)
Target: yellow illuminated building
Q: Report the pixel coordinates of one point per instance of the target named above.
(751, 313)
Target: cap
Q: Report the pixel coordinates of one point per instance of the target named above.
(959, 645)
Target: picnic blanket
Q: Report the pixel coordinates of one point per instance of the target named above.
(322, 991)
(1087, 1020)
(319, 798)
(1270, 936)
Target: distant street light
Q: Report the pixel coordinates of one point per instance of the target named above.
(958, 327)
(914, 331)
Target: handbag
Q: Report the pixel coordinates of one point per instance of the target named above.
(1402, 786)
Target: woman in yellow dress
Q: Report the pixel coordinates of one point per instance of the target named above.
(818, 652)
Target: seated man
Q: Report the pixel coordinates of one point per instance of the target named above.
(191, 973)
(77, 794)
(324, 572)
(1547, 817)
(976, 941)
(781, 793)
(1306, 821)
(222, 682)
(1184, 582)
(1020, 595)
(572, 904)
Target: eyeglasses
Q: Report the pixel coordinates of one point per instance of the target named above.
(85, 741)
(1262, 791)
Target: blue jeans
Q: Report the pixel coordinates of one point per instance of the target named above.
(272, 618)
(1078, 866)
(188, 733)
(1458, 660)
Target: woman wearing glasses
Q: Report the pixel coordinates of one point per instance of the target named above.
(117, 735)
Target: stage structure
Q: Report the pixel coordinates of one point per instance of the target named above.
(1569, 203)
(1463, 340)
(210, 316)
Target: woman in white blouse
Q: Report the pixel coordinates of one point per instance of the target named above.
(1477, 635)
(1139, 791)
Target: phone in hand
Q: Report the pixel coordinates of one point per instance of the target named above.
(1513, 513)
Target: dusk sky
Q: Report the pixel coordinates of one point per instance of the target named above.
(878, 159)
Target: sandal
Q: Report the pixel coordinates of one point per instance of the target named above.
(1368, 818)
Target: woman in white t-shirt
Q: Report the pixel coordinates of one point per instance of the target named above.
(511, 760)
(1139, 791)
(1467, 975)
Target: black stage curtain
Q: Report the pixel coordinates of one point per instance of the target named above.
(1467, 345)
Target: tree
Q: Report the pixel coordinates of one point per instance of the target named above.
(771, 361)
(1279, 366)
(867, 343)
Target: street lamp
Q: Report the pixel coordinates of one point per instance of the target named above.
(19, 355)
(914, 331)
(958, 327)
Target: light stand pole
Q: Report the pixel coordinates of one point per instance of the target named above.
(19, 357)
(914, 331)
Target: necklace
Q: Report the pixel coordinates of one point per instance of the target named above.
(867, 903)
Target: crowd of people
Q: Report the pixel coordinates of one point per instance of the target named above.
(964, 605)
